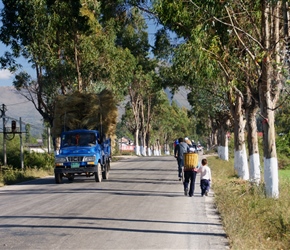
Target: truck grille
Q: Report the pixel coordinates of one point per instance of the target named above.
(75, 158)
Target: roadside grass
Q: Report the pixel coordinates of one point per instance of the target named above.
(284, 174)
(250, 220)
(10, 176)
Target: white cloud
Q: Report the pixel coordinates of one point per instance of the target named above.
(5, 74)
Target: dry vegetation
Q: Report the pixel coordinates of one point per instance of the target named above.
(86, 110)
(250, 220)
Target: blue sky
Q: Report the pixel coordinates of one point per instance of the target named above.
(6, 78)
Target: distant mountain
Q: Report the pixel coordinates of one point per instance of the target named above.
(18, 106)
(180, 97)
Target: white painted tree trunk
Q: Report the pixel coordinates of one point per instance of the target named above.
(149, 151)
(255, 169)
(136, 139)
(155, 151)
(252, 137)
(223, 144)
(241, 163)
(166, 149)
(137, 150)
(143, 150)
(223, 152)
(271, 177)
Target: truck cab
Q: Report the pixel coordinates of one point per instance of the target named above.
(83, 152)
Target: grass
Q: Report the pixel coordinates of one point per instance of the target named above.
(251, 220)
(9, 176)
(284, 174)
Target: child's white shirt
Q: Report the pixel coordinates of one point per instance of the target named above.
(205, 172)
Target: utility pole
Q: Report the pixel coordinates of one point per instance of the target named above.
(13, 130)
(21, 145)
(3, 110)
(48, 140)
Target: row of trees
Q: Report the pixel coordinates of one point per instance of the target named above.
(88, 46)
(234, 57)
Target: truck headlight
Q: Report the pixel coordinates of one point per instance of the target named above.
(89, 158)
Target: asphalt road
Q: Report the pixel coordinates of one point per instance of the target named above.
(141, 206)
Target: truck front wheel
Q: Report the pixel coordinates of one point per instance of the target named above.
(58, 178)
(98, 174)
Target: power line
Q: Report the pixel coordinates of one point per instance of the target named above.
(17, 103)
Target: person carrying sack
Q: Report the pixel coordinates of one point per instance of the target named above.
(190, 164)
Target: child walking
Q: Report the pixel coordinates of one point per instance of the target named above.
(205, 177)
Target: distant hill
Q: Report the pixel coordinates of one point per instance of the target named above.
(180, 97)
(18, 106)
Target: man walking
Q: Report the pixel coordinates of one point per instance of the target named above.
(179, 150)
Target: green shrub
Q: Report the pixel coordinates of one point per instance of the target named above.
(12, 176)
(39, 160)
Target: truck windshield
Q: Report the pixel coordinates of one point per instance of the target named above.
(78, 139)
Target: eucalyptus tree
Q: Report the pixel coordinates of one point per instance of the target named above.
(219, 46)
(270, 86)
(263, 41)
(260, 36)
(165, 121)
(66, 45)
(144, 99)
(170, 121)
(202, 76)
(143, 86)
(127, 123)
(205, 39)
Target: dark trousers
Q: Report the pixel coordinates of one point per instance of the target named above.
(204, 185)
(180, 165)
(189, 179)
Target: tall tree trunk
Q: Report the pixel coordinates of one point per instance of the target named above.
(143, 129)
(213, 136)
(252, 138)
(223, 150)
(241, 162)
(269, 89)
(136, 100)
(147, 143)
(136, 142)
(143, 147)
(77, 64)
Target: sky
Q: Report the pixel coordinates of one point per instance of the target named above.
(6, 78)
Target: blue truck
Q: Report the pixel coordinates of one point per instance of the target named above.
(83, 152)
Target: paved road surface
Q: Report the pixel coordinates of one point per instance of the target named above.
(141, 206)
